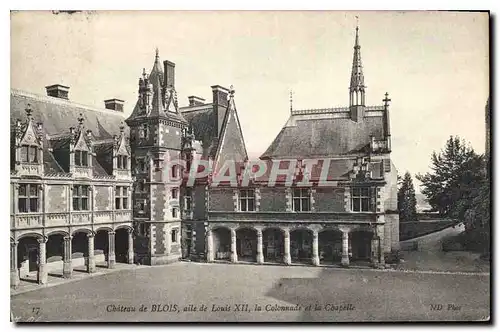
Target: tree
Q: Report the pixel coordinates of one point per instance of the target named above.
(454, 177)
(407, 203)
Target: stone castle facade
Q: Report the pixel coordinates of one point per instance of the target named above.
(91, 187)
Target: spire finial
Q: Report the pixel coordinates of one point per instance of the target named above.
(29, 111)
(386, 100)
(291, 100)
(144, 73)
(356, 44)
(157, 53)
(122, 127)
(231, 91)
(80, 120)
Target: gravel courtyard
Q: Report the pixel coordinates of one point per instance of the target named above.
(219, 292)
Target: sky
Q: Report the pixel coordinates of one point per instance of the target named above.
(434, 65)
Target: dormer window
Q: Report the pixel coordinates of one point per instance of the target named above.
(81, 158)
(121, 162)
(29, 154)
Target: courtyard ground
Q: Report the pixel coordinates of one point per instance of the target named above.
(211, 292)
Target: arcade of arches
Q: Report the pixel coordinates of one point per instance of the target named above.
(34, 256)
(326, 246)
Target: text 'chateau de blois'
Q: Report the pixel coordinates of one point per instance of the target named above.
(91, 187)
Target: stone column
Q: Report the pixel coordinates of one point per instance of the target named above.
(234, 252)
(374, 251)
(42, 265)
(91, 258)
(260, 254)
(14, 271)
(131, 246)
(315, 253)
(111, 250)
(345, 248)
(287, 259)
(210, 247)
(67, 268)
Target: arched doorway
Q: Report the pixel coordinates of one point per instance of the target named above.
(55, 254)
(80, 251)
(121, 245)
(301, 245)
(246, 244)
(330, 246)
(27, 258)
(221, 238)
(360, 242)
(101, 248)
(273, 245)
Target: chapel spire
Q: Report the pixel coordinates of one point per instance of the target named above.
(357, 86)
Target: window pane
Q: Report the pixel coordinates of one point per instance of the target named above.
(85, 203)
(85, 190)
(33, 190)
(304, 192)
(24, 154)
(243, 204)
(125, 203)
(117, 191)
(22, 205)
(305, 204)
(117, 203)
(33, 204)
(355, 192)
(251, 204)
(174, 193)
(296, 204)
(296, 192)
(76, 205)
(365, 204)
(85, 158)
(356, 204)
(77, 158)
(22, 189)
(174, 235)
(33, 151)
(119, 162)
(364, 191)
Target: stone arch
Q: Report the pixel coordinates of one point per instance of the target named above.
(221, 242)
(127, 227)
(28, 251)
(246, 243)
(330, 245)
(101, 246)
(301, 239)
(56, 232)
(273, 244)
(360, 244)
(82, 230)
(244, 226)
(121, 243)
(103, 228)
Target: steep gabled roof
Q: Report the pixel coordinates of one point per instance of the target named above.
(325, 135)
(231, 145)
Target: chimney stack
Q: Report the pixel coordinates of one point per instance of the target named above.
(57, 91)
(195, 101)
(219, 95)
(169, 68)
(114, 104)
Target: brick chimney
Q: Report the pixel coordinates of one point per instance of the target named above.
(194, 101)
(114, 104)
(169, 68)
(57, 91)
(220, 103)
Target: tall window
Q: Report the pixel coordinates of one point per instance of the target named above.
(361, 200)
(175, 171)
(28, 197)
(80, 198)
(187, 199)
(81, 158)
(174, 235)
(141, 206)
(174, 213)
(247, 200)
(29, 154)
(301, 200)
(174, 193)
(141, 165)
(121, 198)
(121, 162)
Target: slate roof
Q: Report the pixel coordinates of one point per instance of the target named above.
(57, 116)
(203, 123)
(307, 137)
